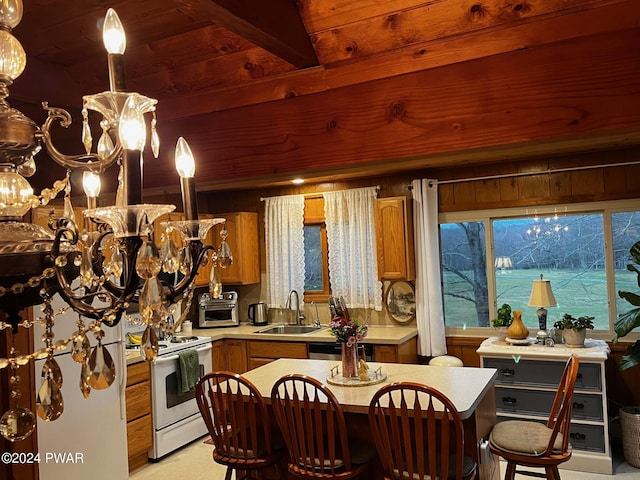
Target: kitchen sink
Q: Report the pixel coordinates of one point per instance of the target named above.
(290, 329)
(183, 339)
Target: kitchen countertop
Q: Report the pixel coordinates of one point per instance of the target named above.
(378, 334)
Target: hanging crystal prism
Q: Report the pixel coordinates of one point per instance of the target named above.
(120, 200)
(155, 139)
(185, 260)
(86, 267)
(151, 303)
(149, 345)
(68, 208)
(80, 348)
(215, 285)
(49, 403)
(148, 261)
(170, 256)
(225, 257)
(51, 369)
(115, 264)
(85, 373)
(87, 140)
(105, 144)
(17, 423)
(102, 370)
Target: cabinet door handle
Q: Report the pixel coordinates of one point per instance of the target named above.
(578, 405)
(507, 372)
(577, 436)
(509, 401)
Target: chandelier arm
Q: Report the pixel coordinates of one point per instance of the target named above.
(198, 251)
(73, 161)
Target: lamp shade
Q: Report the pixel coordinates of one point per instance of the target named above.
(503, 262)
(541, 294)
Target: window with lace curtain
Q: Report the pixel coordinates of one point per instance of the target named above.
(348, 228)
(316, 251)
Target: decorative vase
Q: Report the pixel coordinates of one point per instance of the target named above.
(502, 333)
(350, 360)
(517, 330)
(574, 338)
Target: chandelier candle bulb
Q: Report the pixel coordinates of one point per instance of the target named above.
(115, 42)
(186, 167)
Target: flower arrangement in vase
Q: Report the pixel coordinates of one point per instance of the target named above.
(348, 332)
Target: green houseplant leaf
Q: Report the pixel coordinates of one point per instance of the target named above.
(626, 322)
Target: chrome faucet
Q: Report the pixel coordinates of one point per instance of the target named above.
(299, 315)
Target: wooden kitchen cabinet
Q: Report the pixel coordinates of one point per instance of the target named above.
(402, 353)
(139, 426)
(235, 355)
(242, 229)
(394, 235)
(217, 360)
(262, 352)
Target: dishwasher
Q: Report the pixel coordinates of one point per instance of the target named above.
(333, 351)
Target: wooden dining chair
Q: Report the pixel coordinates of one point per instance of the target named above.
(419, 434)
(535, 444)
(314, 429)
(237, 419)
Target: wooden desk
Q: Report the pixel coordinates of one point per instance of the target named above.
(470, 389)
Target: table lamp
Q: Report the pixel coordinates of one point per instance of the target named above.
(503, 263)
(541, 297)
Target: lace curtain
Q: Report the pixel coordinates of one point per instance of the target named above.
(284, 242)
(429, 309)
(351, 238)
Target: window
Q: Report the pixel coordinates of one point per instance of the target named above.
(316, 277)
(492, 257)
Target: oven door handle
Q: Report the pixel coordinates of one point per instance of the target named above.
(168, 358)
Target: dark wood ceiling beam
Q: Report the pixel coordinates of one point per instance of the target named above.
(411, 59)
(275, 26)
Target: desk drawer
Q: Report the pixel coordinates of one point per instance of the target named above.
(531, 402)
(589, 438)
(543, 373)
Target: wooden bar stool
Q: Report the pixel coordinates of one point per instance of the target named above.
(419, 434)
(314, 429)
(535, 444)
(238, 422)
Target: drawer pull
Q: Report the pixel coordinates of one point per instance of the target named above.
(578, 436)
(509, 400)
(578, 405)
(507, 372)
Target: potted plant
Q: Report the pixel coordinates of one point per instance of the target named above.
(502, 321)
(574, 330)
(627, 322)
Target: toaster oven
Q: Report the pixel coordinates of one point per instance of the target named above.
(218, 312)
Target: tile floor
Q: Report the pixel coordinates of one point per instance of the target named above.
(194, 462)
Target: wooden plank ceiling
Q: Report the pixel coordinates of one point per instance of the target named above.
(240, 79)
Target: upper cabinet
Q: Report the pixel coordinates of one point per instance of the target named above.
(394, 235)
(242, 228)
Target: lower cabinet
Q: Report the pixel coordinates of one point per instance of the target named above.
(139, 427)
(402, 353)
(261, 352)
(526, 384)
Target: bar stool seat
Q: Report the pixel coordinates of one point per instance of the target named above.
(446, 361)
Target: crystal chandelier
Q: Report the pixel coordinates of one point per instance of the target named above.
(102, 267)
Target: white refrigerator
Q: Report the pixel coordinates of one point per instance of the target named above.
(89, 439)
